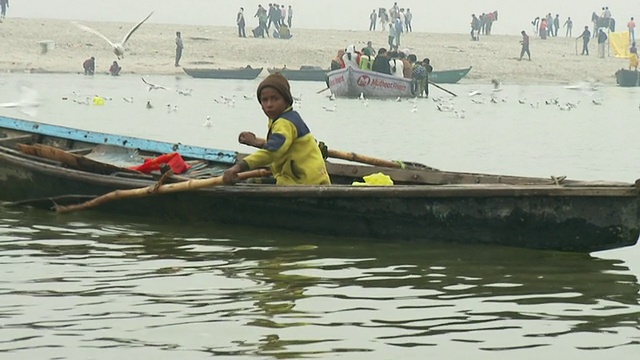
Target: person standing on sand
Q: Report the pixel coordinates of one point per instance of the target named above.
(475, 28)
(602, 40)
(586, 36)
(633, 57)
(392, 36)
(556, 25)
(179, 47)
(525, 45)
(289, 16)
(569, 25)
(408, 16)
(4, 4)
(372, 20)
(631, 25)
(241, 23)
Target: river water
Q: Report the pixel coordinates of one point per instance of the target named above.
(91, 286)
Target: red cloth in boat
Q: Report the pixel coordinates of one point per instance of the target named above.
(174, 160)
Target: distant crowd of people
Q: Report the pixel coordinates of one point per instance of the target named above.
(277, 15)
(396, 63)
(483, 24)
(396, 16)
(549, 26)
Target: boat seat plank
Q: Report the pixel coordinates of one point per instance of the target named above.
(12, 141)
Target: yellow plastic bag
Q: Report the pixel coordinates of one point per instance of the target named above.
(377, 179)
(98, 100)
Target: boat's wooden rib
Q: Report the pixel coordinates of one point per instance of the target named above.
(72, 160)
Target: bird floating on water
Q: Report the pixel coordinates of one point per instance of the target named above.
(208, 123)
(118, 48)
(149, 106)
(128, 99)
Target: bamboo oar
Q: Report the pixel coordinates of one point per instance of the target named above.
(441, 88)
(323, 90)
(351, 156)
(188, 185)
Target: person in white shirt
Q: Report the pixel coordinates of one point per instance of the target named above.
(350, 57)
(396, 65)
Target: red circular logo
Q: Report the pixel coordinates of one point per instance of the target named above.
(363, 80)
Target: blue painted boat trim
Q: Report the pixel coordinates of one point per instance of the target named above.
(223, 156)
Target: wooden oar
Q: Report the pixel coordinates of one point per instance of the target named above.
(441, 88)
(351, 156)
(159, 188)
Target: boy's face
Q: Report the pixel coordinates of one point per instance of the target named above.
(273, 104)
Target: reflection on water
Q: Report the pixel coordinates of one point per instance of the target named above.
(82, 286)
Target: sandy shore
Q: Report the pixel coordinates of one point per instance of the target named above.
(151, 51)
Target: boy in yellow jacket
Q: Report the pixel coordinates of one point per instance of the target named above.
(290, 149)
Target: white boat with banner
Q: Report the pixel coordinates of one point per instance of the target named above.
(351, 82)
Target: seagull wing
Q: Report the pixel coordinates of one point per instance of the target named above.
(88, 29)
(146, 82)
(133, 29)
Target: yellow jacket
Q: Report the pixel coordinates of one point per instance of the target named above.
(292, 153)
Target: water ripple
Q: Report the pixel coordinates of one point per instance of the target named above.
(94, 285)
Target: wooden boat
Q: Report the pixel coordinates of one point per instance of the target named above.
(351, 82)
(628, 78)
(448, 76)
(305, 73)
(42, 163)
(246, 73)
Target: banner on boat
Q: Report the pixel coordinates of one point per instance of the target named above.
(351, 82)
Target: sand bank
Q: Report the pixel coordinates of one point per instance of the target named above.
(151, 51)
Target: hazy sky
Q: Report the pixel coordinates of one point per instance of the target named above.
(449, 16)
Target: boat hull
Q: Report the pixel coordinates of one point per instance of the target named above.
(230, 74)
(554, 218)
(351, 82)
(302, 75)
(628, 78)
(448, 76)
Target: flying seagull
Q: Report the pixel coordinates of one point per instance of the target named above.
(153, 86)
(118, 48)
(28, 103)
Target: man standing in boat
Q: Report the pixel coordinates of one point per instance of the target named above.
(290, 148)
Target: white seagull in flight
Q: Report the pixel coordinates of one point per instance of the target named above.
(154, 86)
(28, 103)
(118, 48)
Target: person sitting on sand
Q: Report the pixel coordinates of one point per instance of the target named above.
(89, 66)
(114, 69)
(633, 57)
(282, 33)
(290, 150)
